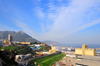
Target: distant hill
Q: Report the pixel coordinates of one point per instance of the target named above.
(17, 36)
(51, 42)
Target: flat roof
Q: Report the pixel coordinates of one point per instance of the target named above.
(95, 58)
(89, 62)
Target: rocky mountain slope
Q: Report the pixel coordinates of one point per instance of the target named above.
(17, 36)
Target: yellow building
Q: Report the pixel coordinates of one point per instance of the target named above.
(43, 44)
(9, 37)
(7, 42)
(53, 49)
(85, 51)
(25, 42)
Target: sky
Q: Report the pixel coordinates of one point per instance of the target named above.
(63, 21)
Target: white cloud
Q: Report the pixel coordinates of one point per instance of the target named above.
(59, 22)
(40, 13)
(76, 16)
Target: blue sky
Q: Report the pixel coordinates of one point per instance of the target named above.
(64, 21)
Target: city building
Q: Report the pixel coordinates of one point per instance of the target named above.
(72, 56)
(19, 58)
(24, 42)
(35, 48)
(43, 44)
(9, 37)
(53, 49)
(1, 42)
(46, 52)
(7, 42)
(85, 51)
(85, 60)
(37, 45)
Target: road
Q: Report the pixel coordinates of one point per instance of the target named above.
(32, 58)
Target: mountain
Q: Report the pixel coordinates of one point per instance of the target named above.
(51, 42)
(17, 36)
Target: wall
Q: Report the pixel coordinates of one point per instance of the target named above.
(9, 37)
(24, 42)
(91, 52)
(7, 42)
(78, 51)
(85, 51)
(53, 49)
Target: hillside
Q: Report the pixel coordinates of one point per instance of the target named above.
(17, 36)
(51, 42)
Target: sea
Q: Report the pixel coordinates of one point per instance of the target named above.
(80, 46)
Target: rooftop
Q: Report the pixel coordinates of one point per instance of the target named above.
(89, 62)
(95, 58)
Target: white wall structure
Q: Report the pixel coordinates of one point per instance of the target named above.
(45, 52)
(72, 56)
(37, 45)
(21, 56)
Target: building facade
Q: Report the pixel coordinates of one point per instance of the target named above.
(53, 49)
(85, 51)
(9, 37)
(24, 42)
(7, 42)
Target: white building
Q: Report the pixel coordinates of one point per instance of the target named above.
(1, 42)
(46, 52)
(37, 46)
(72, 56)
(22, 57)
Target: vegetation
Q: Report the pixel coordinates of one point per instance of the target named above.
(36, 42)
(24, 49)
(44, 48)
(47, 61)
(8, 47)
(8, 55)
